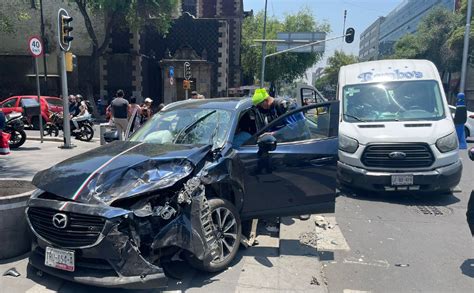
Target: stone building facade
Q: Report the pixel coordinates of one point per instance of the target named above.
(16, 64)
(207, 34)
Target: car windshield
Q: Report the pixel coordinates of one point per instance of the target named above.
(393, 101)
(186, 126)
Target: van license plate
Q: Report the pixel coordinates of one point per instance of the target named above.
(59, 259)
(402, 180)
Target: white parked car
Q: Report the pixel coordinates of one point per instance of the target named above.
(469, 126)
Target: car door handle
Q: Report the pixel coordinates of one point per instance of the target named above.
(321, 161)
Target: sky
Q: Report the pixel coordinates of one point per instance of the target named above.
(360, 14)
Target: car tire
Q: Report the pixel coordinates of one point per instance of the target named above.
(229, 220)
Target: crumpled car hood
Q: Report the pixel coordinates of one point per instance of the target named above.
(68, 178)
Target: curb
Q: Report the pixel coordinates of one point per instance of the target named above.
(50, 139)
(56, 139)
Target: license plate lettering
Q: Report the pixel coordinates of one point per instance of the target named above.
(402, 180)
(59, 259)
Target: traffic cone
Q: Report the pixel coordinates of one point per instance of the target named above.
(4, 146)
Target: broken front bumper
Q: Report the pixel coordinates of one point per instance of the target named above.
(105, 257)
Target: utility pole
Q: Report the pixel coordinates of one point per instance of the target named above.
(264, 45)
(46, 47)
(462, 86)
(344, 27)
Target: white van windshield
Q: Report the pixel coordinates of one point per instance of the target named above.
(393, 101)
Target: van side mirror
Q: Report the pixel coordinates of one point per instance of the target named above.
(471, 153)
(266, 143)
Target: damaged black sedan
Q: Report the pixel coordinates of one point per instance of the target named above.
(118, 215)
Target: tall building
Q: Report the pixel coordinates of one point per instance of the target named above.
(379, 38)
(404, 19)
(369, 41)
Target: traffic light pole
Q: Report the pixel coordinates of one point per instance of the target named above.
(66, 123)
(292, 49)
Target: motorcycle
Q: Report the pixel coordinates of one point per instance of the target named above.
(15, 127)
(85, 132)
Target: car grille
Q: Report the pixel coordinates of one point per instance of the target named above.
(81, 230)
(417, 156)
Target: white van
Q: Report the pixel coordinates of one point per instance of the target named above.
(396, 132)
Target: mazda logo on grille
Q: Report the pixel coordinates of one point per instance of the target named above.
(60, 221)
(397, 155)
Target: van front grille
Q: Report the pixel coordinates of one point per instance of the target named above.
(398, 156)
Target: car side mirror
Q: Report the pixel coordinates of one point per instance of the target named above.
(471, 153)
(266, 143)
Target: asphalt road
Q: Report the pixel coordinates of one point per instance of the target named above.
(404, 243)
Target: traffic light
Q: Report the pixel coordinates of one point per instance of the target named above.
(186, 84)
(350, 35)
(64, 29)
(71, 61)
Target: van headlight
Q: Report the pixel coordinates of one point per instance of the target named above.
(447, 143)
(347, 144)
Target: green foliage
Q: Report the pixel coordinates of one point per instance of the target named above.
(439, 38)
(134, 14)
(280, 68)
(328, 82)
(7, 21)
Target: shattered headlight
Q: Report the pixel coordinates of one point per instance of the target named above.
(143, 178)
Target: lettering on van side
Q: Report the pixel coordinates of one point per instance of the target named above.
(397, 74)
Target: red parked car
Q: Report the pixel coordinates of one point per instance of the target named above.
(13, 104)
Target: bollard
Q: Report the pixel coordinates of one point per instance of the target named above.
(460, 118)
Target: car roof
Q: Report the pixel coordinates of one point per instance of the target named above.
(230, 104)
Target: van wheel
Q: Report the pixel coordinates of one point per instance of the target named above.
(228, 231)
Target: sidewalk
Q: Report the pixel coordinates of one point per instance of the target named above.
(34, 156)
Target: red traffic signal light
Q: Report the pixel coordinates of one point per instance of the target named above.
(350, 35)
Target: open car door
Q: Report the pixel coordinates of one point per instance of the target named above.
(308, 95)
(290, 169)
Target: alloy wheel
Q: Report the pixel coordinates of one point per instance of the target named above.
(226, 232)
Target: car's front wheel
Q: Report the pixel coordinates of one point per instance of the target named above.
(228, 231)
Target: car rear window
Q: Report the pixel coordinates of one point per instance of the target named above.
(55, 102)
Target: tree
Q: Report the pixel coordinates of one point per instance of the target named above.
(280, 68)
(134, 14)
(328, 82)
(431, 40)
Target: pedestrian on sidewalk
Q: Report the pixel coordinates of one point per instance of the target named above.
(146, 110)
(120, 109)
(135, 115)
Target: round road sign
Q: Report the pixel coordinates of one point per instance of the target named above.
(35, 46)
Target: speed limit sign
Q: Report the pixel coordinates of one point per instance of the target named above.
(35, 46)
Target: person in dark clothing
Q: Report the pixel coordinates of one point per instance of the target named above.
(272, 108)
(73, 106)
(120, 109)
(470, 204)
